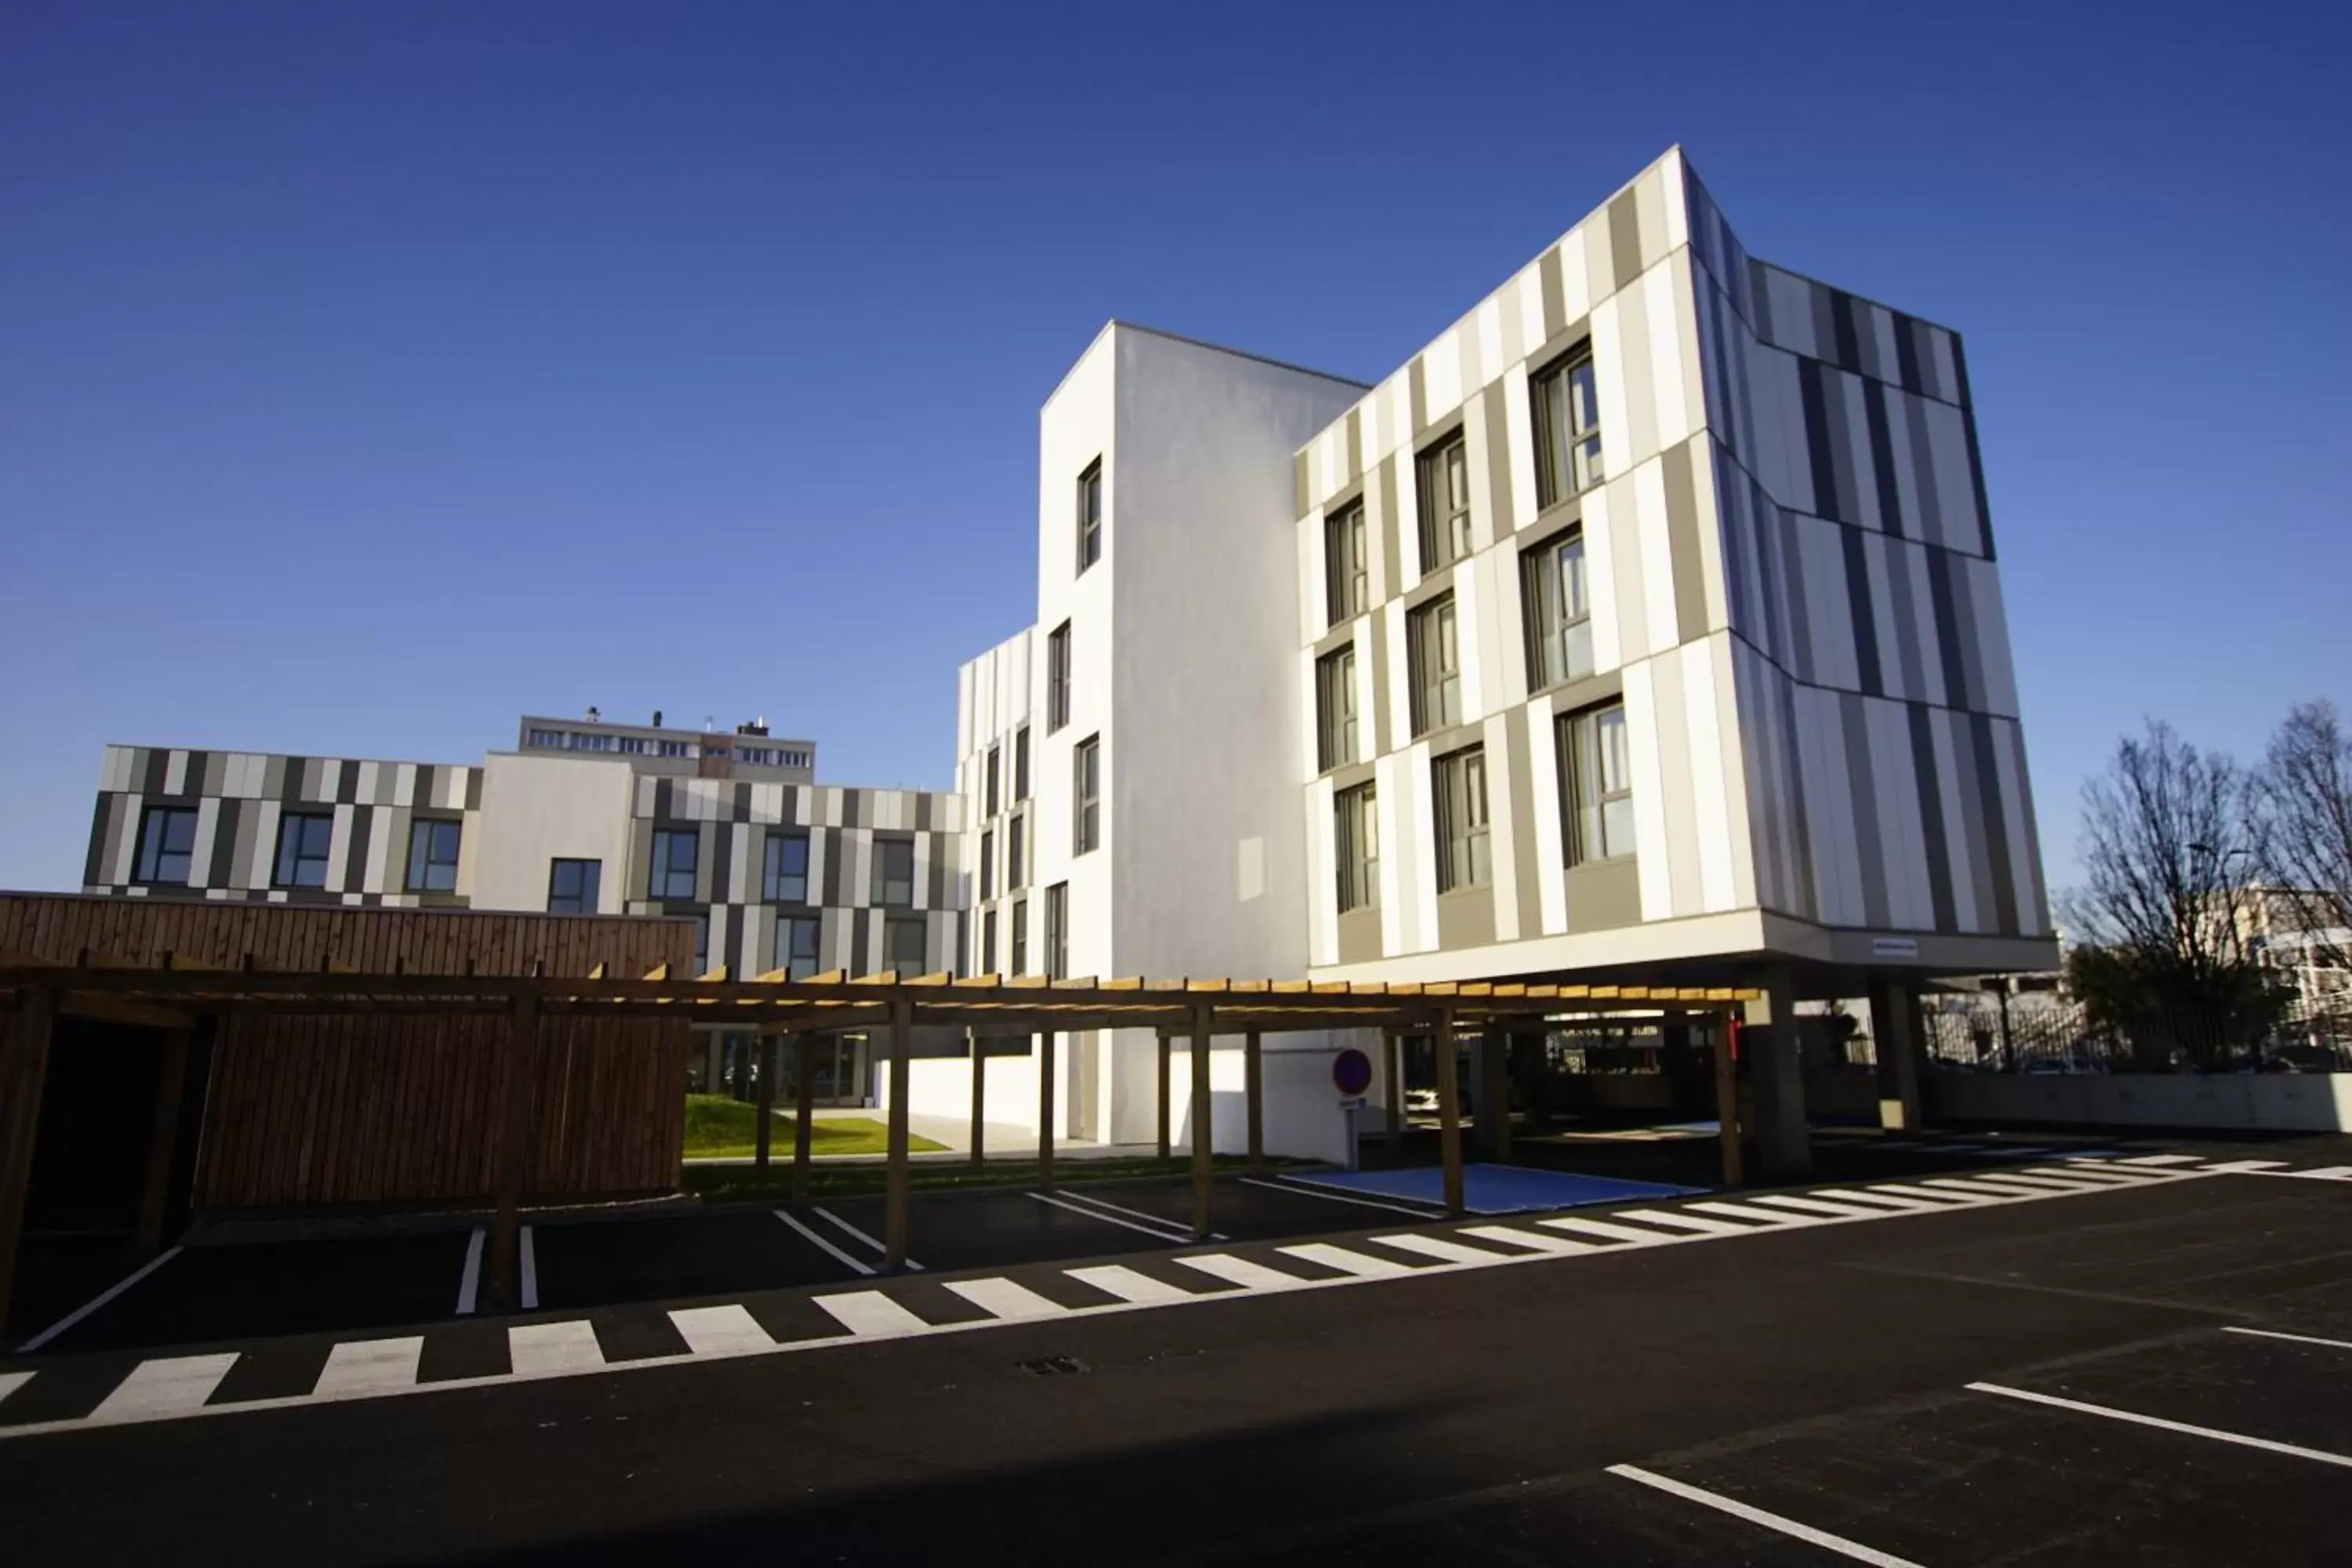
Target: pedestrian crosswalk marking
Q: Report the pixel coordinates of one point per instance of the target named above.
(1346, 1259)
(170, 1385)
(535, 1350)
(1006, 1299)
(1239, 1271)
(369, 1366)
(1136, 1289)
(719, 1330)
(871, 1314)
(1446, 1251)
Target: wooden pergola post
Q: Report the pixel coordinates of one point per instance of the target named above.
(1727, 1099)
(1449, 1110)
(22, 1072)
(979, 1095)
(902, 1048)
(163, 1141)
(803, 1111)
(1495, 1090)
(1393, 1086)
(1045, 1111)
(1167, 1048)
(769, 1058)
(512, 1154)
(1254, 1092)
(1203, 1120)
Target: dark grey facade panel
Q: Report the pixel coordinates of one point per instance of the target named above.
(1855, 726)
(1906, 613)
(1908, 337)
(2004, 875)
(1819, 460)
(1792, 577)
(1975, 829)
(1799, 818)
(665, 803)
(347, 785)
(1958, 691)
(1759, 296)
(1976, 457)
(355, 860)
(1882, 459)
(428, 778)
(852, 801)
(93, 865)
(1858, 607)
(833, 870)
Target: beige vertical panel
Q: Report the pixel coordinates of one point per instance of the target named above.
(816, 842)
(1600, 259)
(381, 839)
(175, 773)
(1714, 576)
(1482, 458)
(1652, 849)
(1503, 639)
(1415, 849)
(1637, 365)
(265, 843)
(707, 871)
(1626, 565)
(1609, 642)
(339, 852)
(1652, 203)
(1394, 849)
(1734, 762)
(1528, 285)
(858, 843)
(1576, 292)
(1369, 660)
(1489, 342)
(1676, 794)
(200, 857)
(1502, 838)
(1544, 788)
(1408, 514)
(1441, 383)
(1654, 539)
(1713, 874)
(1674, 352)
(1310, 705)
(1312, 590)
(747, 852)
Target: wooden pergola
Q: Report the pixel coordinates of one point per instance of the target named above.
(173, 993)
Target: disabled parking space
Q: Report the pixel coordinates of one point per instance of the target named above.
(603, 1262)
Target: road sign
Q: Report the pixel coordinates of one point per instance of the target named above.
(1351, 1070)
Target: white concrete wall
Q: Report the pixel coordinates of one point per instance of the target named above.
(538, 809)
(941, 1086)
(2309, 1103)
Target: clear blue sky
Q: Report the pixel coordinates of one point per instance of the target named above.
(372, 374)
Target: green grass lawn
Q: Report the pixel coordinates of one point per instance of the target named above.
(729, 1184)
(718, 1126)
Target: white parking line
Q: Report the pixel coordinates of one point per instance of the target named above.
(2298, 1338)
(95, 1302)
(2158, 1160)
(720, 1330)
(1118, 1279)
(1883, 1203)
(869, 1314)
(1347, 1260)
(1947, 1199)
(369, 1366)
(1786, 1526)
(10, 1382)
(2324, 1173)
(1178, 1228)
(846, 1228)
(470, 1277)
(529, 1272)
(2136, 1419)
(1150, 1230)
(857, 1264)
(1317, 1190)
(167, 1386)
(1007, 1299)
(541, 1349)
(2245, 1167)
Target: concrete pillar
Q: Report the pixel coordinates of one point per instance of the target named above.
(1777, 1071)
(1727, 1099)
(1393, 1086)
(1895, 1035)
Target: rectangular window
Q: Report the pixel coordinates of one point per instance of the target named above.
(1086, 795)
(1019, 962)
(1461, 778)
(1090, 515)
(1558, 611)
(676, 851)
(167, 844)
(1335, 708)
(303, 838)
(546, 738)
(894, 872)
(1057, 678)
(634, 744)
(1600, 785)
(1016, 860)
(796, 938)
(1360, 848)
(571, 886)
(1568, 429)
(1057, 931)
(784, 876)
(1435, 649)
(988, 865)
(902, 947)
(1021, 763)
(1347, 591)
(675, 748)
(995, 758)
(433, 856)
(1443, 476)
(986, 962)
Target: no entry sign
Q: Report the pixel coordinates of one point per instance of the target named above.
(1351, 1072)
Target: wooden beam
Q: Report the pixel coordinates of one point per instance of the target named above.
(24, 1069)
(1254, 1093)
(1204, 1120)
(895, 1177)
(511, 1155)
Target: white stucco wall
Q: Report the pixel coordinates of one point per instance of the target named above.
(538, 809)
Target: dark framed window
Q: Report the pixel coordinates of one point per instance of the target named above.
(677, 852)
(1090, 515)
(1021, 763)
(1086, 795)
(1335, 708)
(433, 855)
(1018, 964)
(1057, 678)
(1358, 845)
(902, 947)
(1346, 586)
(796, 940)
(167, 844)
(304, 838)
(1057, 931)
(1597, 773)
(783, 877)
(1567, 428)
(1442, 477)
(894, 872)
(986, 961)
(988, 865)
(573, 886)
(996, 760)
(1462, 847)
(1558, 611)
(1434, 647)
(1017, 858)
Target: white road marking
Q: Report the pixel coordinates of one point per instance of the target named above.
(1140, 1289)
(2324, 1173)
(536, 1350)
(1177, 1227)
(470, 1277)
(1737, 1509)
(2245, 1167)
(2158, 1160)
(1678, 1221)
(170, 1385)
(1348, 1260)
(1815, 1206)
(1949, 1199)
(856, 1265)
(1446, 1251)
(1153, 1231)
(2104, 1171)
(2034, 1183)
(1766, 1217)
(1532, 1240)
(369, 1366)
(1007, 1299)
(1999, 1186)
(95, 1302)
(529, 1272)
(1884, 1202)
(846, 1228)
(1601, 1227)
(720, 1330)
(2258, 1333)
(1241, 1271)
(10, 1382)
(869, 1314)
(2136, 1419)
(1314, 1190)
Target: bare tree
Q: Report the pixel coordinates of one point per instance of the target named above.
(2304, 798)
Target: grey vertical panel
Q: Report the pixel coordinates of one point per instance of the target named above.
(249, 828)
(1976, 457)
(1823, 465)
(1865, 623)
(707, 876)
(665, 806)
(1759, 301)
(105, 830)
(936, 849)
(834, 870)
(1791, 568)
(1842, 333)
(1555, 294)
(1923, 473)
(1972, 817)
(1391, 543)
(1996, 820)
(2030, 874)
(1498, 460)
(1825, 321)
(273, 778)
(1931, 816)
(216, 773)
(1682, 542)
(473, 788)
(1907, 351)
(1299, 484)
(1417, 387)
(923, 823)
(1799, 812)
(1624, 217)
(1841, 441)
(1881, 457)
(861, 958)
(1526, 862)
(1738, 541)
(427, 795)
(1763, 525)
(1958, 689)
(856, 811)
(1905, 612)
(155, 767)
(1870, 846)
(1355, 442)
(362, 827)
(738, 801)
